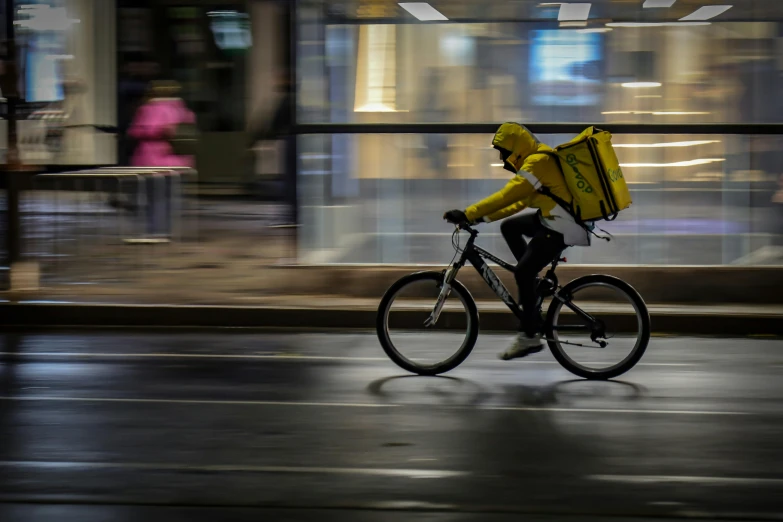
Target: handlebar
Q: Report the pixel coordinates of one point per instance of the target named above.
(460, 220)
(467, 227)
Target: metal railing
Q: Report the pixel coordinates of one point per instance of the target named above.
(105, 224)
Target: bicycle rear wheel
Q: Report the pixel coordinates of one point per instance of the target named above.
(618, 318)
(409, 342)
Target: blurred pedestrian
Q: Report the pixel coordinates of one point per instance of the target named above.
(163, 117)
(133, 86)
(161, 126)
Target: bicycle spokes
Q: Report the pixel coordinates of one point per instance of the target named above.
(595, 327)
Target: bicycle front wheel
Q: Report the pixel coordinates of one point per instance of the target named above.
(601, 330)
(405, 330)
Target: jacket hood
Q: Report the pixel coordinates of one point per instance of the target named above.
(516, 143)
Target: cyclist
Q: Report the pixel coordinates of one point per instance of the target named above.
(551, 228)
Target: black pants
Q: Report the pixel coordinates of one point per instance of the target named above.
(545, 245)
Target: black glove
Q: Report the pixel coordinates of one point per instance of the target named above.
(456, 217)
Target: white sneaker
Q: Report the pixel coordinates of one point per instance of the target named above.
(522, 347)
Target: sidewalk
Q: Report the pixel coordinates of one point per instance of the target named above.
(224, 254)
(333, 312)
(239, 274)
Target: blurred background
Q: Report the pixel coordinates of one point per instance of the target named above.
(337, 132)
(203, 201)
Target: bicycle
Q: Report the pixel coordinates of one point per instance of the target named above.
(597, 317)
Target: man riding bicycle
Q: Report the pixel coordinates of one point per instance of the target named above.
(551, 228)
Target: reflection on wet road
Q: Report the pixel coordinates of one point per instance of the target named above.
(236, 426)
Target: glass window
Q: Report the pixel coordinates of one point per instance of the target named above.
(379, 198)
(698, 200)
(536, 71)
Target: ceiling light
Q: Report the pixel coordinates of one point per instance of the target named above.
(663, 145)
(707, 12)
(678, 113)
(655, 24)
(595, 30)
(573, 24)
(423, 11)
(690, 163)
(570, 12)
(641, 85)
(626, 112)
(659, 113)
(657, 4)
(375, 107)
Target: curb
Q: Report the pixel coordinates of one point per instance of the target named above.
(70, 315)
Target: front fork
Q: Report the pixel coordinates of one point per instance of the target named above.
(445, 290)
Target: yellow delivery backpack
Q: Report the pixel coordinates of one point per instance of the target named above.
(593, 175)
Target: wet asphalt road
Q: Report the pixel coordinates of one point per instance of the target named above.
(236, 426)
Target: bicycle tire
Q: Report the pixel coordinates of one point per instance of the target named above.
(403, 362)
(643, 319)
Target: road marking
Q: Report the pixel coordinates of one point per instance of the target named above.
(286, 357)
(680, 479)
(609, 410)
(239, 468)
(193, 401)
(45, 398)
(272, 357)
(410, 505)
(604, 363)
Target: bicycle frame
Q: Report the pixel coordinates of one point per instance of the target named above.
(475, 255)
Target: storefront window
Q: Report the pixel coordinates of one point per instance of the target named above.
(379, 197)
(537, 71)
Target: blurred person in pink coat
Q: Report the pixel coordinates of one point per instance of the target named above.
(154, 126)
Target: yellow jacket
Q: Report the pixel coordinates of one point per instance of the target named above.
(519, 193)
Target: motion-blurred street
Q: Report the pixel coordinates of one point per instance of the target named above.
(192, 193)
(241, 426)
